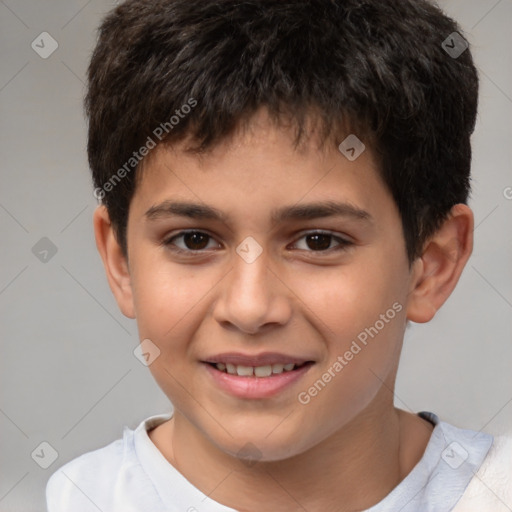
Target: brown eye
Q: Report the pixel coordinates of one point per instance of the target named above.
(191, 241)
(195, 240)
(321, 242)
(318, 242)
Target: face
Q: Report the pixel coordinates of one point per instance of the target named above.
(258, 257)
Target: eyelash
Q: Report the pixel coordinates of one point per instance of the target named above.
(343, 244)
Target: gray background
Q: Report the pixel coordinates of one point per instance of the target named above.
(68, 375)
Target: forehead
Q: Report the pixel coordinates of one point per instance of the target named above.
(259, 168)
(277, 137)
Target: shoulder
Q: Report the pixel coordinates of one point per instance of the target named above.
(491, 487)
(109, 478)
(77, 481)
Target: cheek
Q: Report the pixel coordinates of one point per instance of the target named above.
(346, 301)
(165, 294)
(362, 329)
(361, 318)
(171, 303)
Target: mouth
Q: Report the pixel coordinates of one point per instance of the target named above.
(261, 371)
(255, 377)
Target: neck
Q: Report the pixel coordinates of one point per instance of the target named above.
(353, 469)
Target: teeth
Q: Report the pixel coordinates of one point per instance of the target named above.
(258, 371)
(277, 368)
(263, 371)
(244, 371)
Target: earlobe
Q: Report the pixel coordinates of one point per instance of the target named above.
(114, 261)
(436, 272)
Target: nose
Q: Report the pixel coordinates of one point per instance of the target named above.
(252, 297)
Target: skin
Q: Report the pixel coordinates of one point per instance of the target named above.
(349, 446)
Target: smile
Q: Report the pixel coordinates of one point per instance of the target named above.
(261, 381)
(256, 371)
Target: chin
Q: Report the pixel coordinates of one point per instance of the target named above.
(251, 448)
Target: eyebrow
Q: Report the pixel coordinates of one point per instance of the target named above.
(184, 209)
(318, 210)
(296, 212)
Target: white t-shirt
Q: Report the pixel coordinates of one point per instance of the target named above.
(132, 475)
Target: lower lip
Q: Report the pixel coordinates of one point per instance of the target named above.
(256, 387)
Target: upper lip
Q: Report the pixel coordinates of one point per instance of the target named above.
(263, 359)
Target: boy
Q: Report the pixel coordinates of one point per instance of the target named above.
(283, 187)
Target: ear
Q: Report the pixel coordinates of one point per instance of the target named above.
(436, 272)
(115, 263)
